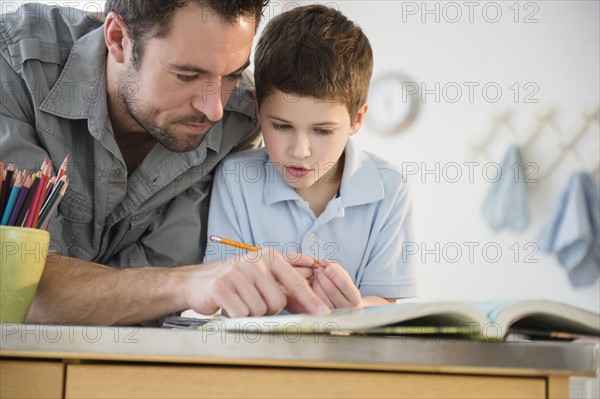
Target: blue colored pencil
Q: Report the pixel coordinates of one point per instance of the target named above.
(12, 198)
(6, 187)
(20, 201)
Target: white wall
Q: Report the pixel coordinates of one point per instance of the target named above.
(559, 54)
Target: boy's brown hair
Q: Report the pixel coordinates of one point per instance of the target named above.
(314, 51)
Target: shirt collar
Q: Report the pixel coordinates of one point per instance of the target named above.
(77, 89)
(80, 93)
(276, 189)
(361, 182)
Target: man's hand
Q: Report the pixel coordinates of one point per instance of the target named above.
(263, 285)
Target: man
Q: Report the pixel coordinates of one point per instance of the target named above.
(145, 104)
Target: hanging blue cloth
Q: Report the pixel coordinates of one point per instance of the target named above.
(506, 203)
(573, 230)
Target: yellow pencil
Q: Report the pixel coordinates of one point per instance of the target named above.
(232, 243)
(248, 247)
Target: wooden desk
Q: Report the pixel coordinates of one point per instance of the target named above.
(110, 362)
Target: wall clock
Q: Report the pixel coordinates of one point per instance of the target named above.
(393, 103)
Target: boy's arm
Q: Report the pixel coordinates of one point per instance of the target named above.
(372, 300)
(390, 270)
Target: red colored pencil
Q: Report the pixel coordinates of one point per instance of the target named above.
(40, 200)
(33, 205)
(63, 168)
(30, 196)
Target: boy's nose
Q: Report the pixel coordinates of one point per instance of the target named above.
(300, 147)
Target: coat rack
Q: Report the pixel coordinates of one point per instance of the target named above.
(545, 123)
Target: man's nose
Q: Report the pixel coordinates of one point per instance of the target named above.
(209, 101)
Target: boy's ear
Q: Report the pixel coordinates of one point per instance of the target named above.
(115, 37)
(360, 118)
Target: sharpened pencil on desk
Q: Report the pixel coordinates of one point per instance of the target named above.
(248, 247)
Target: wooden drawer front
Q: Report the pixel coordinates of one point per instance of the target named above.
(26, 379)
(157, 381)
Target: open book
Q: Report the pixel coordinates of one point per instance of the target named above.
(479, 320)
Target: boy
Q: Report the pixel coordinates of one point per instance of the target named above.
(311, 190)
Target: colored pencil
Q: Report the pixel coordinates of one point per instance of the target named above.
(20, 201)
(42, 188)
(54, 196)
(1, 175)
(44, 222)
(12, 198)
(25, 209)
(6, 187)
(248, 247)
(31, 199)
(33, 205)
(49, 190)
(63, 168)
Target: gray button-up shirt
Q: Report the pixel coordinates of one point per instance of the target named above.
(53, 102)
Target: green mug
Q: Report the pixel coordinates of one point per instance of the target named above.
(23, 255)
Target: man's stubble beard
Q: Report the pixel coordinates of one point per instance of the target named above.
(146, 116)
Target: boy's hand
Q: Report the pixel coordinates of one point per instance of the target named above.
(333, 285)
(303, 265)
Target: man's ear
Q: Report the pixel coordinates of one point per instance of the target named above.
(115, 36)
(360, 118)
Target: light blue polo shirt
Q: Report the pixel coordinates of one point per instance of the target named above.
(362, 229)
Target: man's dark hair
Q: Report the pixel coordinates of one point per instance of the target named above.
(314, 51)
(152, 18)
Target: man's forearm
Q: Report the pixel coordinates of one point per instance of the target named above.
(75, 291)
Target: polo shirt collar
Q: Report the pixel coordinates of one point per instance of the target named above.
(276, 189)
(361, 182)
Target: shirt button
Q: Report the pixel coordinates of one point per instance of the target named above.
(154, 179)
(312, 237)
